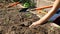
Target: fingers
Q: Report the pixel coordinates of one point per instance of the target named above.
(32, 25)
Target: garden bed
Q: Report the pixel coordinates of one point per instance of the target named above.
(14, 22)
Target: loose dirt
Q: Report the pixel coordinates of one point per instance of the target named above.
(14, 22)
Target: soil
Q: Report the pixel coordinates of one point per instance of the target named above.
(14, 22)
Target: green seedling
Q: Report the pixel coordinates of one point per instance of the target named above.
(27, 15)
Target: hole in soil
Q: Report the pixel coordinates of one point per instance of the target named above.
(35, 28)
(22, 25)
(13, 28)
(20, 28)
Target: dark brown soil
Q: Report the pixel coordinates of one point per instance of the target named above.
(14, 22)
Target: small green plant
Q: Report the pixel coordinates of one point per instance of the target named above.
(26, 5)
(27, 15)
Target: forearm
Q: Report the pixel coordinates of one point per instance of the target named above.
(49, 14)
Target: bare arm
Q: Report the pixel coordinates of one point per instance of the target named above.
(47, 16)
